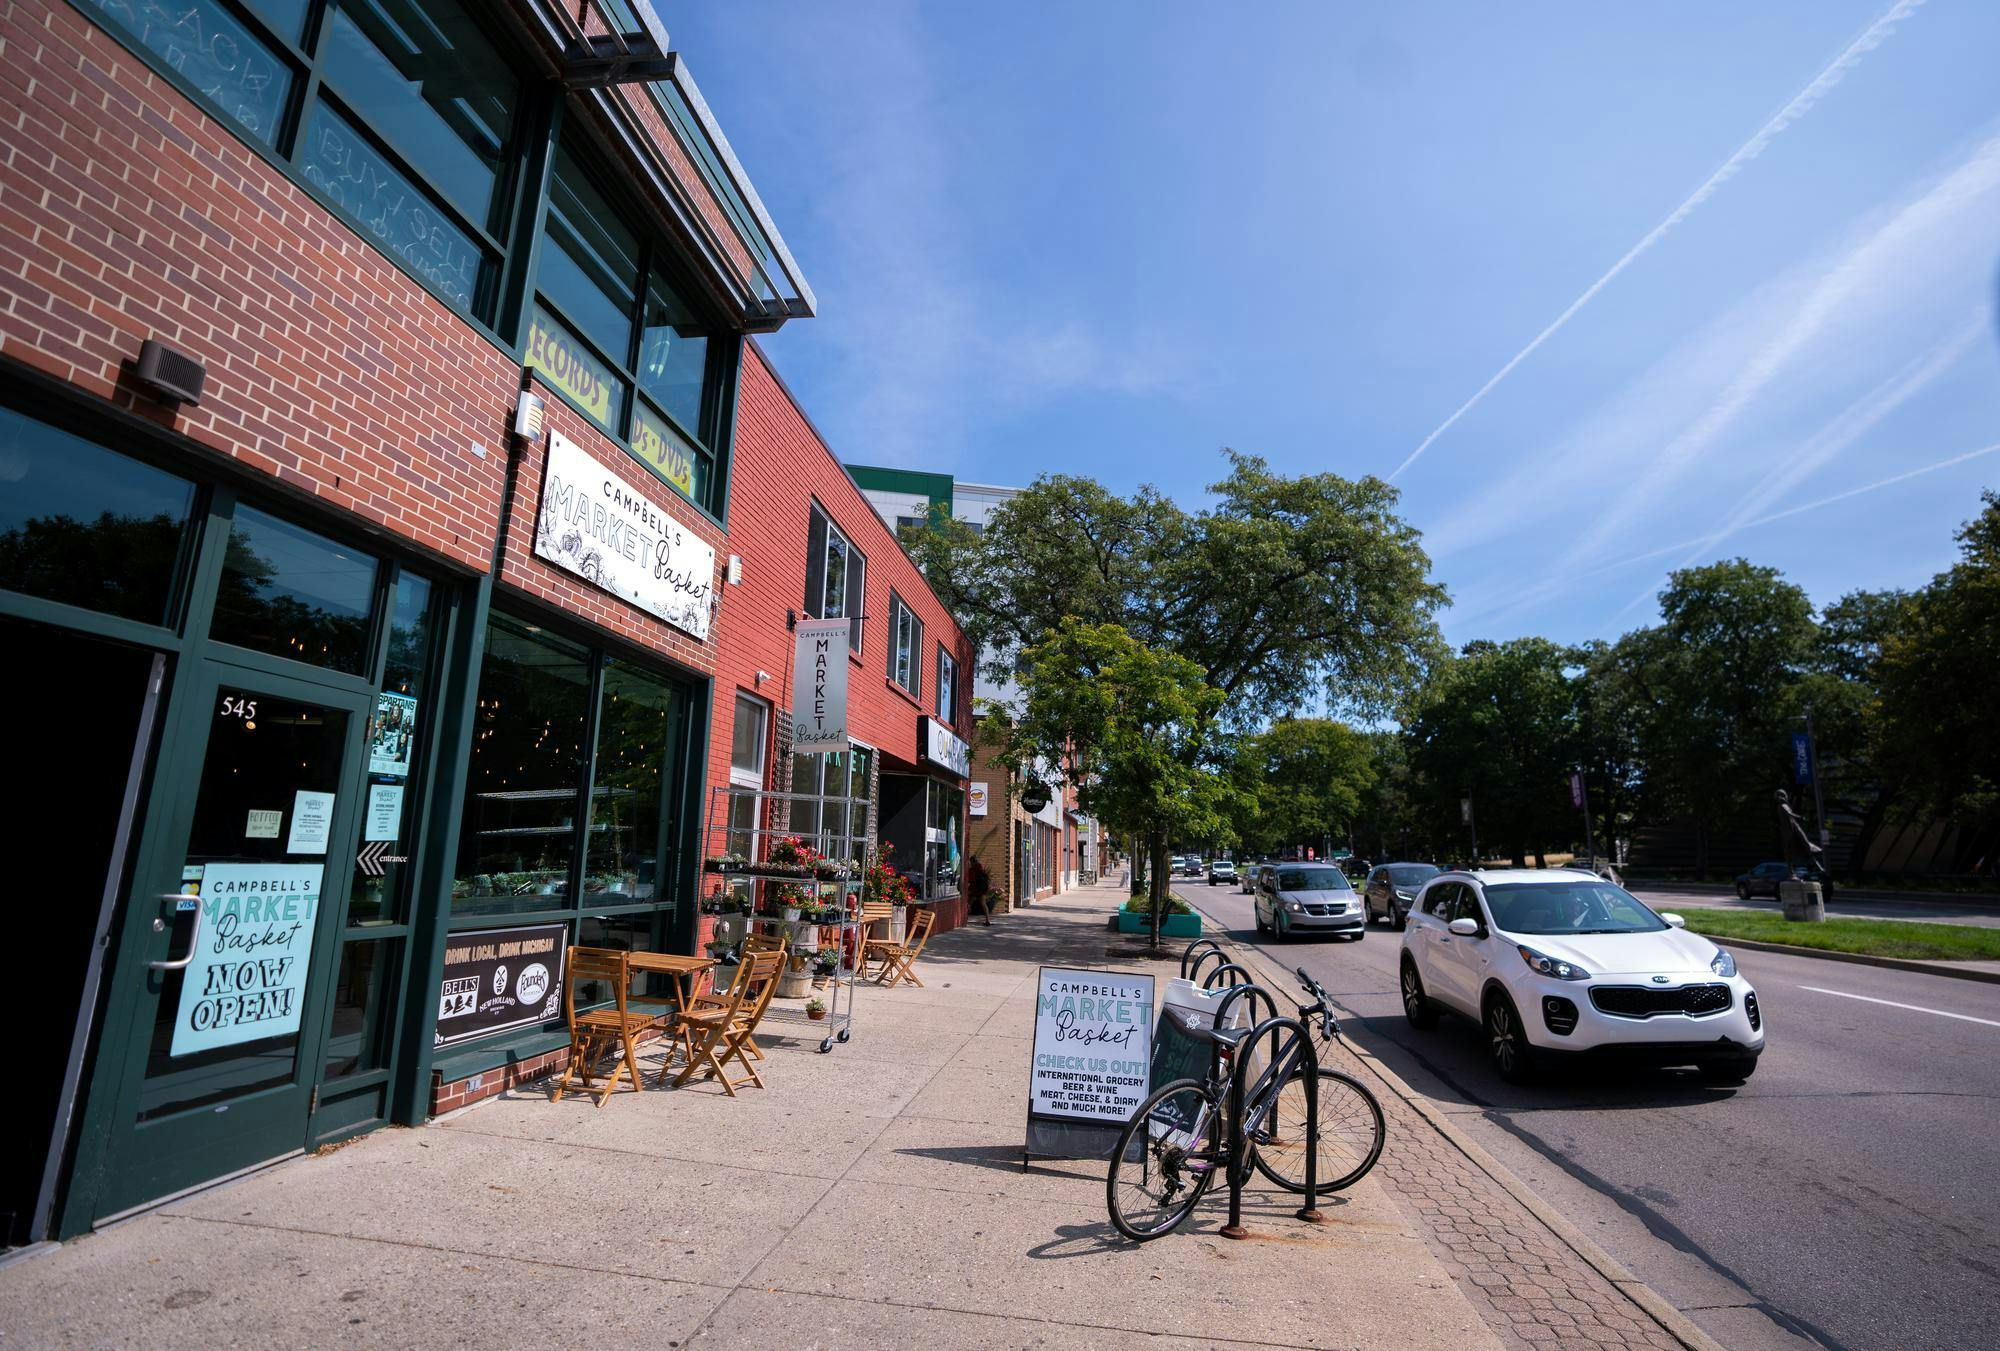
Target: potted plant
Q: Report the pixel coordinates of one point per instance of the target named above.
(825, 963)
(1177, 919)
(815, 1008)
(792, 900)
(791, 856)
(725, 863)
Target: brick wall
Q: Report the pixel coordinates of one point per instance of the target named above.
(781, 467)
(126, 213)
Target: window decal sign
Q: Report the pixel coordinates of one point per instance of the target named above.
(660, 448)
(597, 525)
(496, 979)
(819, 685)
(392, 734)
(568, 366)
(251, 955)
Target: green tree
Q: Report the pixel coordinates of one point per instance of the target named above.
(1498, 725)
(1300, 779)
(1940, 691)
(1129, 725)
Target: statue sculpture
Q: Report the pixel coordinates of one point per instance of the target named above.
(1799, 846)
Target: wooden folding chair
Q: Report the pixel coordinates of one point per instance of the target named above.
(718, 1028)
(595, 1031)
(898, 957)
(872, 913)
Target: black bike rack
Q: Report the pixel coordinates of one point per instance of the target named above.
(1239, 1153)
(1215, 977)
(1204, 946)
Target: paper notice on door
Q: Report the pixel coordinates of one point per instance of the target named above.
(262, 825)
(312, 820)
(385, 812)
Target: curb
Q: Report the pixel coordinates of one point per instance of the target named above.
(1655, 1305)
(1857, 958)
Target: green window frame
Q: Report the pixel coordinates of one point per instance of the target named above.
(399, 116)
(613, 330)
(906, 647)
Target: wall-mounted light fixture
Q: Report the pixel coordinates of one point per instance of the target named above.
(736, 569)
(529, 416)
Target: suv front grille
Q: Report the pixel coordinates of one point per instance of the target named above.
(1640, 1001)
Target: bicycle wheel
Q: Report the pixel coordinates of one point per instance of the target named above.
(1351, 1132)
(1167, 1156)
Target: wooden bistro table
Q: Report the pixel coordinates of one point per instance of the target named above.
(684, 970)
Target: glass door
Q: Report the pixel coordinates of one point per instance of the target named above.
(236, 908)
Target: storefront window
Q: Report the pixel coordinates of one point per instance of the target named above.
(395, 760)
(86, 526)
(517, 845)
(637, 727)
(839, 824)
(836, 576)
(946, 705)
(942, 859)
(294, 593)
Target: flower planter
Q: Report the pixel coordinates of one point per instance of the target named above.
(794, 984)
(1171, 926)
(817, 1015)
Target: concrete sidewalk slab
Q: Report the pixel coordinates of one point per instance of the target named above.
(865, 1196)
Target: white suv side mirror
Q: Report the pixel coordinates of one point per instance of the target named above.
(1673, 919)
(1465, 928)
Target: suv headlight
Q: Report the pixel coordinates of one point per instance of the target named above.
(1404, 896)
(1722, 964)
(1293, 906)
(1553, 967)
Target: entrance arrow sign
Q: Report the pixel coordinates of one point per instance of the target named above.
(371, 858)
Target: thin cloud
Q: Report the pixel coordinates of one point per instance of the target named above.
(1801, 103)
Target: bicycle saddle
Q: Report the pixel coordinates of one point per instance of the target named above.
(1225, 1037)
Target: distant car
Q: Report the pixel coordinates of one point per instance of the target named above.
(1194, 866)
(1354, 866)
(1299, 898)
(1391, 889)
(1222, 870)
(1247, 876)
(1550, 963)
(1763, 879)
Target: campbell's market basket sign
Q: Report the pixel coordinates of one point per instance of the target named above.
(599, 526)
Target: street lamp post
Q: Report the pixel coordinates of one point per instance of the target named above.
(1812, 772)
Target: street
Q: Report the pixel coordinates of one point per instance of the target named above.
(1842, 1195)
(1683, 896)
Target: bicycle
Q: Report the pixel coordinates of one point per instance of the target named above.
(1177, 1142)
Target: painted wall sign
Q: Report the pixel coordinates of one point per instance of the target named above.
(975, 797)
(569, 366)
(819, 685)
(251, 955)
(595, 524)
(942, 746)
(496, 979)
(1093, 1045)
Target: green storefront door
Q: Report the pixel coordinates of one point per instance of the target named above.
(221, 997)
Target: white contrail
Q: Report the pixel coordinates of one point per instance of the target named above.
(1802, 103)
(1705, 541)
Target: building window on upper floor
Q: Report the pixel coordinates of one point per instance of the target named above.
(946, 694)
(614, 331)
(836, 576)
(906, 646)
(400, 115)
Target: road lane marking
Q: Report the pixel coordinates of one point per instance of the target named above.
(1914, 1008)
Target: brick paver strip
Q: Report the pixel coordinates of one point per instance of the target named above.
(1533, 1288)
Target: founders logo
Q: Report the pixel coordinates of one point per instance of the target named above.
(533, 984)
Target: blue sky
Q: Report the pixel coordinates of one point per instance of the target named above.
(1113, 238)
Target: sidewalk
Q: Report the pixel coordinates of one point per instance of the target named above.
(869, 1196)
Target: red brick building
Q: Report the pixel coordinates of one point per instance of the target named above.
(394, 515)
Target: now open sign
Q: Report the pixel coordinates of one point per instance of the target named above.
(251, 955)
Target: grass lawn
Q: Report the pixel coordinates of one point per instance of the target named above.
(1872, 937)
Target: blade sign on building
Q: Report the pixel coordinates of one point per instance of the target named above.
(819, 685)
(595, 524)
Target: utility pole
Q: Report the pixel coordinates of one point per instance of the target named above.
(1812, 772)
(1579, 796)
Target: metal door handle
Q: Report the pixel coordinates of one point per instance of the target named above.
(194, 934)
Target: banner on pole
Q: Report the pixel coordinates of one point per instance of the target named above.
(819, 685)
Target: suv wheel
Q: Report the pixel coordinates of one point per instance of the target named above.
(1416, 1006)
(1742, 891)
(1506, 1042)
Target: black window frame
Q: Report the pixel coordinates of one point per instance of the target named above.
(820, 532)
(710, 443)
(900, 614)
(303, 56)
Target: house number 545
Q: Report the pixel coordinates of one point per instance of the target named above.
(237, 707)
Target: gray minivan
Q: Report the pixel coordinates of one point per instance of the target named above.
(1307, 898)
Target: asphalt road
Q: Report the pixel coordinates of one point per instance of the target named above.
(1972, 911)
(1844, 1196)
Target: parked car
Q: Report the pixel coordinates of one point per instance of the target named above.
(1763, 880)
(1295, 898)
(1552, 964)
(1222, 870)
(1247, 875)
(1390, 890)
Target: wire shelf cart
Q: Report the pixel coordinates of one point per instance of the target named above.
(744, 824)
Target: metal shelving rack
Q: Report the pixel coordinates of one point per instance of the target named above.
(771, 815)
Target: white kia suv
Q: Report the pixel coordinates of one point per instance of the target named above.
(1554, 962)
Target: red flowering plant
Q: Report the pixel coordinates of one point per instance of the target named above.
(884, 883)
(791, 854)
